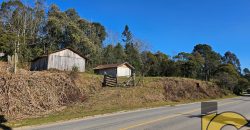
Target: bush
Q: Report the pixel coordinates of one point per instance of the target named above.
(248, 91)
(74, 72)
(237, 91)
(75, 69)
(226, 81)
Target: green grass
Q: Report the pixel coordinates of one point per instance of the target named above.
(79, 111)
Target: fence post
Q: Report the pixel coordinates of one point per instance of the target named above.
(116, 81)
(104, 81)
(133, 79)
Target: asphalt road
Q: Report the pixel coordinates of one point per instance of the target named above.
(181, 117)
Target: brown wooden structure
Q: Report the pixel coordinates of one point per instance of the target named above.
(109, 81)
(112, 81)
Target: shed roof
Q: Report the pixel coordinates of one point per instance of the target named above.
(106, 66)
(59, 51)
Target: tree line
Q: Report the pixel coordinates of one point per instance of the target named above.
(32, 30)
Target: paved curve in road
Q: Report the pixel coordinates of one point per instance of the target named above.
(180, 117)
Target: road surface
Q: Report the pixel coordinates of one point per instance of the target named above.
(181, 117)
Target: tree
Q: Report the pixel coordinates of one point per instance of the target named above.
(13, 21)
(172, 69)
(182, 56)
(186, 66)
(231, 58)
(67, 29)
(132, 52)
(98, 34)
(22, 26)
(55, 29)
(243, 85)
(198, 62)
(190, 64)
(128, 37)
(228, 68)
(150, 64)
(247, 75)
(211, 58)
(133, 56)
(72, 14)
(246, 71)
(227, 76)
(145, 63)
(108, 55)
(163, 61)
(119, 54)
(154, 64)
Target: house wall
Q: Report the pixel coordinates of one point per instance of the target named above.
(109, 71)
(123, 71)
(65, 60)
(40, 64)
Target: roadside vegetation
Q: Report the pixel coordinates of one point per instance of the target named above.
(51, 101)
(32, 30)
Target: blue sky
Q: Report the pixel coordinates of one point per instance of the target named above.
(172, 26)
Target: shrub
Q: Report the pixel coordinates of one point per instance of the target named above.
(226, 81)
(75, 69)
(74, 72)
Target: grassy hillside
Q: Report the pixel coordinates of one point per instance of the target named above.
(50, 96)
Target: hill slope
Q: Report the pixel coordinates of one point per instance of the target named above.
(35, 94)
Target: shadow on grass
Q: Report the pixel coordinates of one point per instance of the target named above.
(2, 121)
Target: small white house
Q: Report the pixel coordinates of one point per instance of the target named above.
(119, 70)
(64, 59)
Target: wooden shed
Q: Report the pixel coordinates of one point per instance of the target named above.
(64, 59)
(119, 70)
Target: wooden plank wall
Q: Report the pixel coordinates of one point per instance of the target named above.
(40, 64)
(109, 81)
(66, 60)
